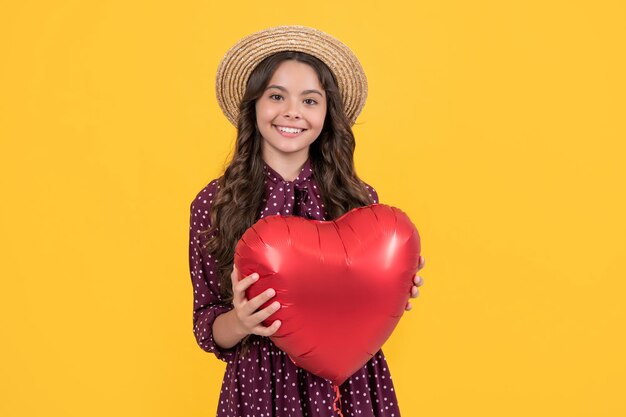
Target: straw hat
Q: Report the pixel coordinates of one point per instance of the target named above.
(239, 61)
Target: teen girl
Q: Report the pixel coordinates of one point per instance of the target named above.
(293, 93)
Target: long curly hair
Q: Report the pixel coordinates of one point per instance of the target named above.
(241, 188)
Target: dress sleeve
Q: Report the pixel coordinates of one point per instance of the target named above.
(372, 192)
(207, 303)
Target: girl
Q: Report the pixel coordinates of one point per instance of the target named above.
(293, 107)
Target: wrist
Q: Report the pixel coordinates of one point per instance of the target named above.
(238, 327)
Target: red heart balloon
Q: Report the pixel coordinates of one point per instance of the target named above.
(343, 284)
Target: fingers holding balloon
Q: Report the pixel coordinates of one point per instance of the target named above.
(240, 285)
(414, 292)
(262, 315)
(258, 317)
(234, 279)
(267, 331)
(234, 276)
(418, 281)
(421, 263)
(249, 318)
(255, 303)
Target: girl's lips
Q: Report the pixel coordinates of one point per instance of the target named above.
(288, 135)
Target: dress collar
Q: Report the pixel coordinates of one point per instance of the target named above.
(299, 197)
(275, 178)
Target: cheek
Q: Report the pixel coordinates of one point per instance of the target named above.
(262, 112)
(319, 118)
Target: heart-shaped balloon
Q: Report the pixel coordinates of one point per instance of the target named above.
(343, 284)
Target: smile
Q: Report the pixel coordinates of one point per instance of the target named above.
(289, 132)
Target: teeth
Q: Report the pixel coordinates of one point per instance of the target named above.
(288, 129)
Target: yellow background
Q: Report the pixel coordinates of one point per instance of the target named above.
(498, 126)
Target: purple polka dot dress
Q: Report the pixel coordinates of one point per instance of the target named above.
(266, 383)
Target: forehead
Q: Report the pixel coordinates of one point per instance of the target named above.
(296, 74)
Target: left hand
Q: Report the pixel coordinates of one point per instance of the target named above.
(418, 282)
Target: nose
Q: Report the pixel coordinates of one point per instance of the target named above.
(293, 110)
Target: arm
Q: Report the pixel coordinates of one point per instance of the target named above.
(207, 304)
(226, 332)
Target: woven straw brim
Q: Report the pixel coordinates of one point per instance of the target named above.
(239, 61)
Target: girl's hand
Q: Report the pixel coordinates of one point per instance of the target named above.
(418, 282)
(248, 319)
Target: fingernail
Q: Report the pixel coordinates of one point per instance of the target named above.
(255, 276)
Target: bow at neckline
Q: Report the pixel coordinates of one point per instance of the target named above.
(291, 197)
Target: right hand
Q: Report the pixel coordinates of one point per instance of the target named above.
(249, 319)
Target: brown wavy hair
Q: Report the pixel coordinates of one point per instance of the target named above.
(241, 188)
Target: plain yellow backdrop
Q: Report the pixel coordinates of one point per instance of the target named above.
(498, 126)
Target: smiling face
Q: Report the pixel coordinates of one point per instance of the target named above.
(291, 111)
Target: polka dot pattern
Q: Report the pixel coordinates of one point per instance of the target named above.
(266, 383)
(299, 197)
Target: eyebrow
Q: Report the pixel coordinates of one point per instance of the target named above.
(279, 87)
